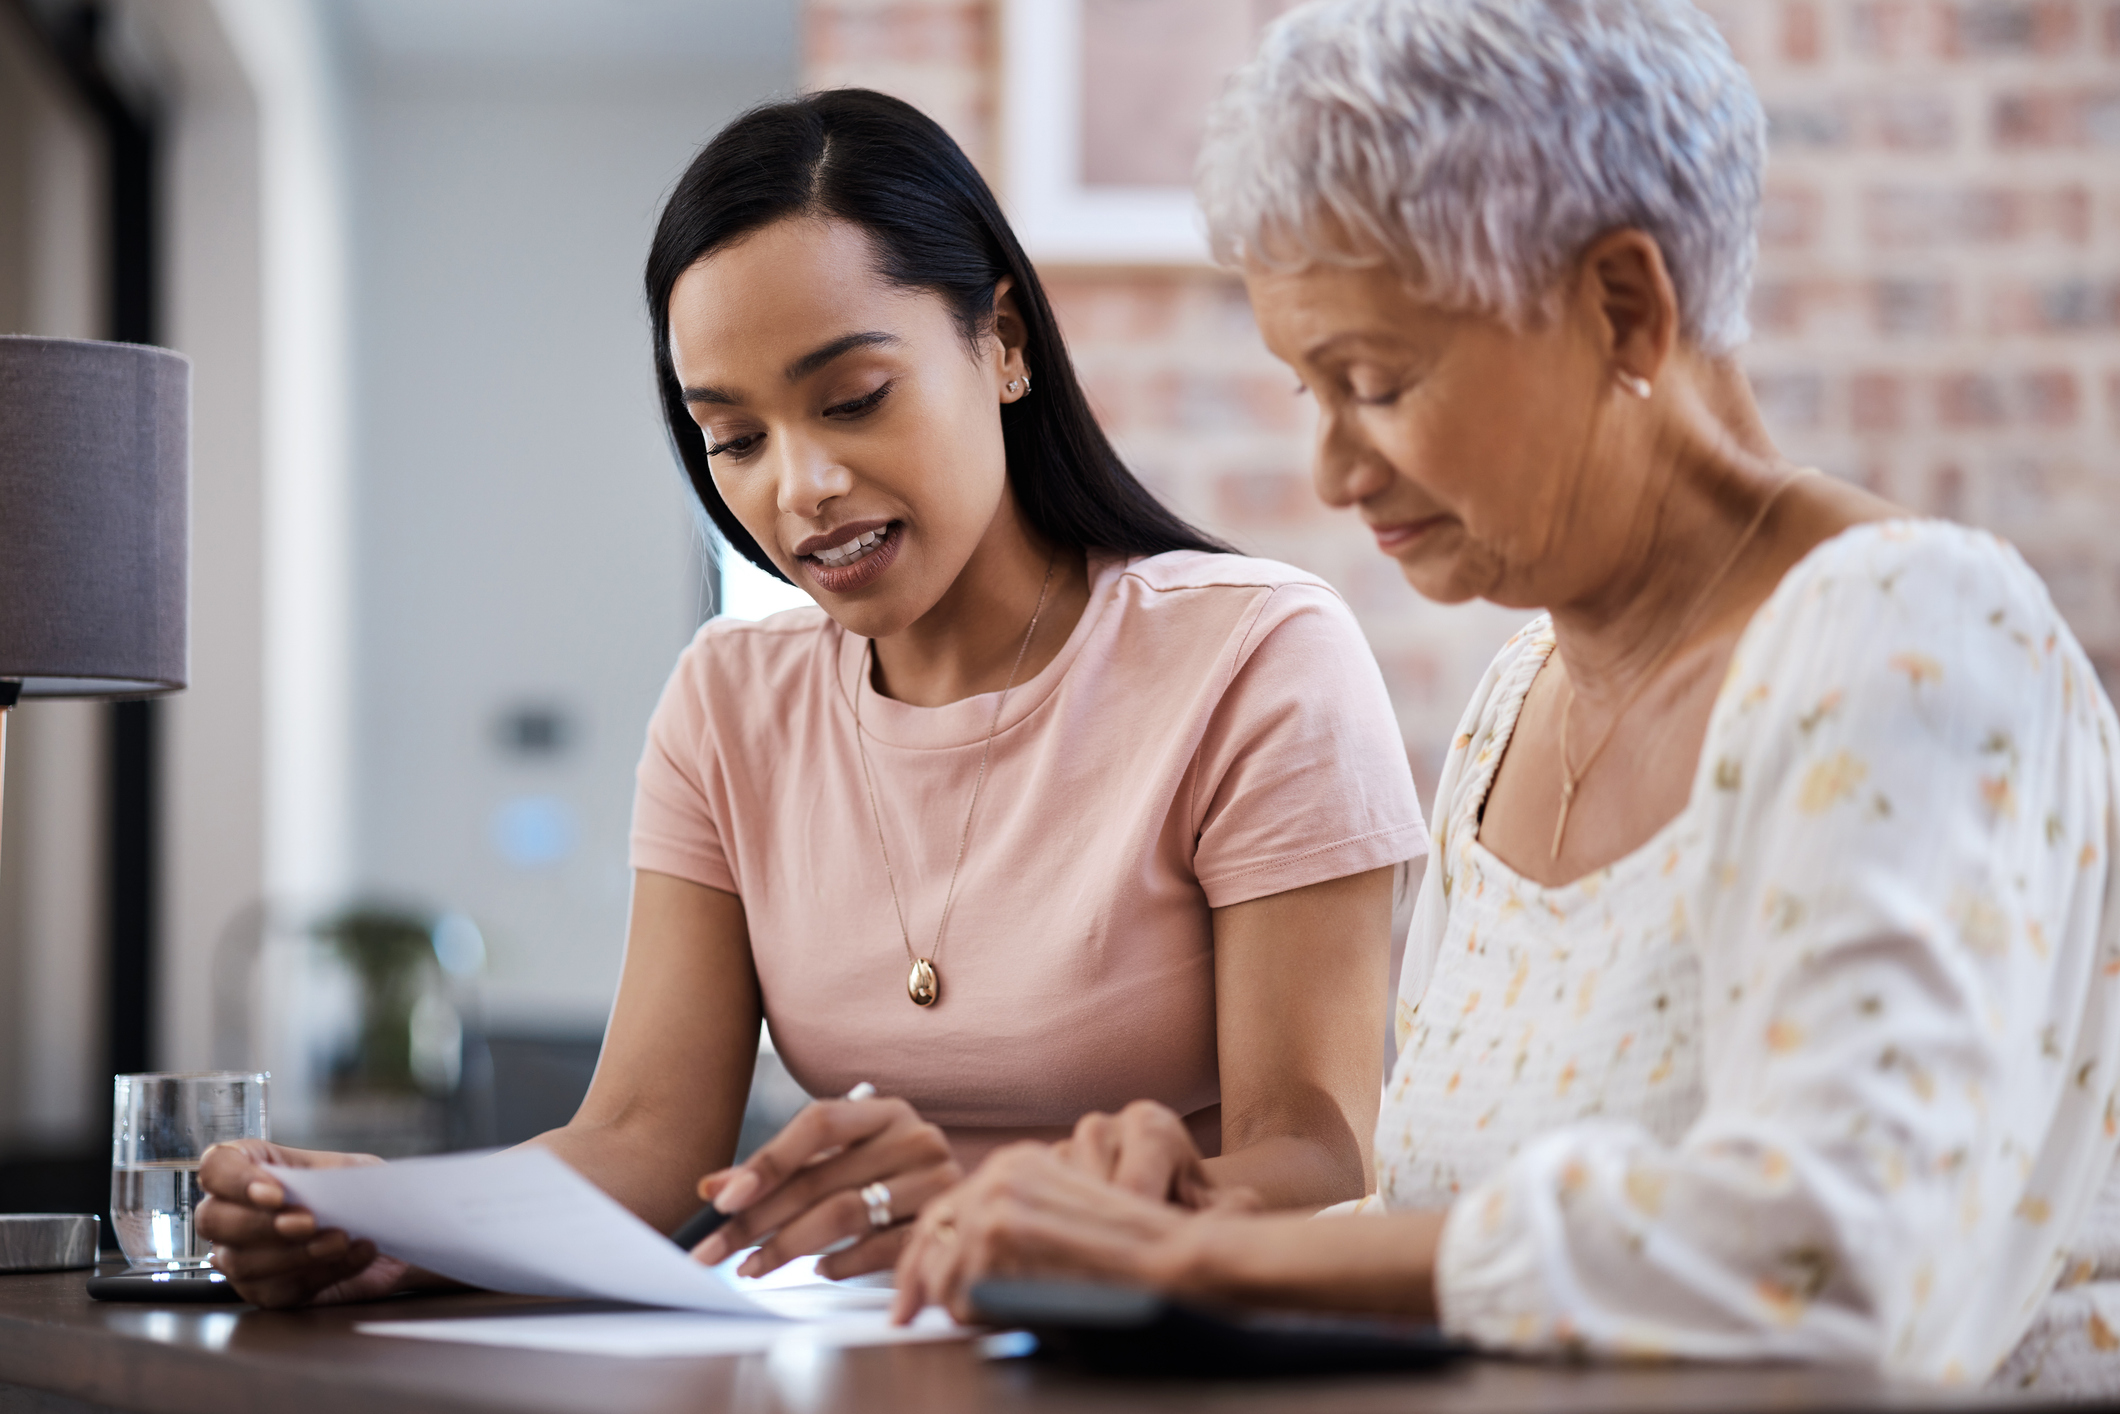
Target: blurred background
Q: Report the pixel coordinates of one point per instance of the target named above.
(442, 561)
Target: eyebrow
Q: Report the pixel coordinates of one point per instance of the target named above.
(1334, 343)
(803, 367)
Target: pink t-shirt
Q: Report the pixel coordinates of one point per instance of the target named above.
(1214, 730)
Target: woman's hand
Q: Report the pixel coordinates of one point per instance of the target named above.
(1146, 1149)
(1033, 1209)
(272, 1251)
(802, 1191)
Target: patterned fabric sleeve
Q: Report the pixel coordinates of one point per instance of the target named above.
(1908, 973)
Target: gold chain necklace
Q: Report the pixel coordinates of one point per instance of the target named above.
(922, 983)
(1572, 776)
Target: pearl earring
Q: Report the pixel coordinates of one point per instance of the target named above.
(1636, 384)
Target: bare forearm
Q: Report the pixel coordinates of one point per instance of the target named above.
(647, 1167)
(1299, 1172)
(1382, 1264)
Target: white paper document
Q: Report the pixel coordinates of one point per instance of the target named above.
(520, 1221)
(670, 1334)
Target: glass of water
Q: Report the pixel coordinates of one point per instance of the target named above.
(161, 1126)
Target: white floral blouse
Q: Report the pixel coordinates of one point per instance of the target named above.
(1827, 1069)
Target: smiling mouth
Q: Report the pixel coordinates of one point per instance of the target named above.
(855, 550)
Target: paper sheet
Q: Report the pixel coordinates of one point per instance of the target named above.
(521, 1221)
(667, 1334)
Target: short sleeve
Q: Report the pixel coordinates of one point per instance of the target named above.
(1301, 775)
(679, 794)
(1906, 936)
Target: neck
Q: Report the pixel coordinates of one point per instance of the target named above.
(968, 643)
(1672, 499)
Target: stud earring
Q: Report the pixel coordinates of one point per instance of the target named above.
(1013, 385)
(1636, 384)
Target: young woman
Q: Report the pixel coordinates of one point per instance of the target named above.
(1051, 804)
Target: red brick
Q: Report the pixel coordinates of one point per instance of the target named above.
(1876, 402)
(1263, 499)
(1974, 215)
(1116, 308)
(1813, 125)
(1947, 492)
(1802, 32)
(1912, 306)
(1209, 402)
(2068, 214)
(2112, 31)
(1968, 400)
(2057, 117)
(2112, 398)
(1898, 29)
(1790, 215)
(2069, 305)
(1785, 306)
(2049, 397)
(1993, 28)
(1910, 122)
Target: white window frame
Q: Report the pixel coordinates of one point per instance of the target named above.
(1057, 218)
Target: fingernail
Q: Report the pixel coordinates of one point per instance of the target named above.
(711, 1250)
(264, 1194)
(327, 1244)
(737, 1191)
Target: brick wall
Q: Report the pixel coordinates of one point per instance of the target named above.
(1937, 313)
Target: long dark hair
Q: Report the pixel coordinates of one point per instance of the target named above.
(886, 167)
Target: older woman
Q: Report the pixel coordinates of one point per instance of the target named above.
(1760, 1001)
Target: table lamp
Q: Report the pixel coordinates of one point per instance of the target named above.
(95, 520)
(95, 532)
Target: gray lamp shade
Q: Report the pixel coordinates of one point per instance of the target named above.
(95, 517)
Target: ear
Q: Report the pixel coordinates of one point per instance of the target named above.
(1625, 291)
(1011, 333)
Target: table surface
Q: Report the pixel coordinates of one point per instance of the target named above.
(181, 1359)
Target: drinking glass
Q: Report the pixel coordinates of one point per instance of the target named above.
(161, 1126)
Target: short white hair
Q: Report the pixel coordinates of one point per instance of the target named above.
(1481, 145)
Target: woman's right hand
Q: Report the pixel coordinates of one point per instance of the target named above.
(273, 1251)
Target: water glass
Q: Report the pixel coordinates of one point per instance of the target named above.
(161, 1126)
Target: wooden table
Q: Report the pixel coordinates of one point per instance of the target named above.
(61, 1353)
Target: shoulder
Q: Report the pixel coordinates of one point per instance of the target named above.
(1915, 574)
(1920, 643)
(1238, 594)
(733, 663)
(1181, 571)
(1949, 612)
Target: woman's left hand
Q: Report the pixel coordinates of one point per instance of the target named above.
(1036, 1208)
(803, 1190)
(1145, 1149)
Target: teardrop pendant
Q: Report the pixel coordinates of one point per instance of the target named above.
(921, 984)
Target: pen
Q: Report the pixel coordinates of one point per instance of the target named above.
(701, 1224)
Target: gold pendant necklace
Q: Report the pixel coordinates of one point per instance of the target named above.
(922, 983)
(1572, 776)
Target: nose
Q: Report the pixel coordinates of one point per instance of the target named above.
(808, 478)
(1345, 468)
